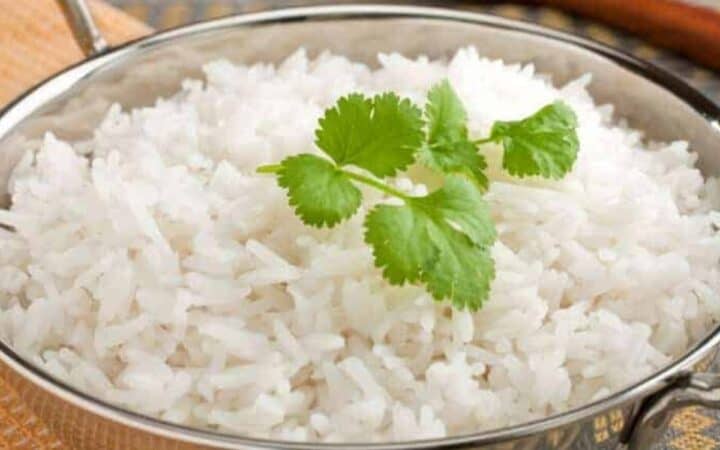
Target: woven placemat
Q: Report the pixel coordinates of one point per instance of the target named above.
(35, 42)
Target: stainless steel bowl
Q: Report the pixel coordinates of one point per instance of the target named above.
(71, 103)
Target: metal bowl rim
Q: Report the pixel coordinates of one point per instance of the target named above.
(57, 84)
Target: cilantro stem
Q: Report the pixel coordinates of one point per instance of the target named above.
(484, 141)
(269, 168)
(275, 168)
(377, 185)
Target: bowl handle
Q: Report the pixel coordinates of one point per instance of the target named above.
(83, 26)
(689, 389)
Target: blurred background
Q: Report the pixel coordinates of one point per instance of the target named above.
(682, 36)
(606, 21)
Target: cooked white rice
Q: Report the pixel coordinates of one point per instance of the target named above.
(167, 277)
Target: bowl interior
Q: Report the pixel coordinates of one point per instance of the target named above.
(73, 103)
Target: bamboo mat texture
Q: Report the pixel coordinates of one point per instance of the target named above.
(35, 42)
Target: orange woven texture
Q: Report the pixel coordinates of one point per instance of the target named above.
(36, 42)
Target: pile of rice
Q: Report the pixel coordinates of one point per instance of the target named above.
(165, 276)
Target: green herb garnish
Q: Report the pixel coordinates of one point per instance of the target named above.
(448, 147)
(543, 144)
(442, 239)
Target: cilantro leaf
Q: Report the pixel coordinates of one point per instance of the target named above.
(401, 242)
(448, 148)
(457, 156)
(463, 273)
(545, 143)
(461, 204)
(445, 113)
(441, 239)
(320, 192)
(380, 135)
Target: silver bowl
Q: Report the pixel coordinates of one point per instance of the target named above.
(71, 103)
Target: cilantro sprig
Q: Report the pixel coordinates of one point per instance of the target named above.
(442, 239)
